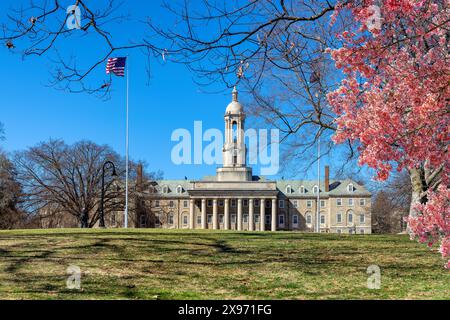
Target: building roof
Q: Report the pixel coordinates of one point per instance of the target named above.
(337, 188)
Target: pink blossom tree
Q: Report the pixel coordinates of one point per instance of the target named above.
(393, 101)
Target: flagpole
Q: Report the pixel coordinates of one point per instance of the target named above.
(127, 147)
(318, 185)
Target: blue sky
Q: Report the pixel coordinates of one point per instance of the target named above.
(32, 112)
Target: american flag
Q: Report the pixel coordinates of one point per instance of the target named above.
(116, 66)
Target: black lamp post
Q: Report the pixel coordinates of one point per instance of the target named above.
(114, 174)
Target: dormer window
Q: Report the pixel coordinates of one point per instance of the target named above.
(350, 188)
(302, 190)
(179, 189)
(165, 189)
(315, 189)
(288, 189)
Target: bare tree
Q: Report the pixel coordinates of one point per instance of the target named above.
(273, 49)
(10, 215)
(56, 175)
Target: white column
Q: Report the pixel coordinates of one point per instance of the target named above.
(203, 213)
(239, 214)
(191, 213)
(251, 215)
(274, 214)
(262, 212)
(215, 222)
(227, 214)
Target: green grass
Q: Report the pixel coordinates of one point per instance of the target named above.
(183, 264)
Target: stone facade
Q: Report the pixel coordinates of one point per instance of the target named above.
(234, 199)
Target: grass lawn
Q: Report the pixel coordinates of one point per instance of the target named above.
(184, 264)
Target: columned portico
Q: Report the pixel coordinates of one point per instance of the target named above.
(251, 215)
(227, 214)
(191, 213)
(274, 215)
(203, 213)
(215, 221)
(262, 212)
(239, 214)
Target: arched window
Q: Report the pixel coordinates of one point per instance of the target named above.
(179, 189)
(302, 190)
(288, 189)
(308, 218)
(165, 189)
(350, 216)
(315, 189)
(234, 131)
(350, 187)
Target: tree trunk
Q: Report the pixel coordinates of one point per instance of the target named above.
(418, 188)
(84, 219)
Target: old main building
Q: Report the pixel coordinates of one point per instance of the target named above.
(235, 199)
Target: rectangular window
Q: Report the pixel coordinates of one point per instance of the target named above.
(309, 203)
(362, 202)
(233, 218)
(281, 203)
(245, 202)
(199, 219)
(113, 218)
(209, 218)
(339, 231)
(322, 219)
(185, 203)
(257, 218)
(350, 218)
(362, 218)
(295, 219)
(233, 203)
(268, 219)
(339, 218)
(322, 203)
(185, 220)
(143, 221)
(350, 201)
(220, 203)
(156, 203)
(295, 203)
(268, 204)
(171, 219)
(281, 220)
(339, 202)
(256, 201)
(361, 231)
(245, 218)
(220, 218)
(171, 204)
(210, 203)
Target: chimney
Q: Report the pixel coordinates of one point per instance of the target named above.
(327, 178)
(139, 178)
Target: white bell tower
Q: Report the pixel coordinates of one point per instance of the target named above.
(234, 151)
